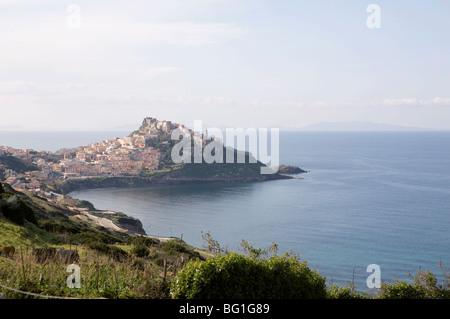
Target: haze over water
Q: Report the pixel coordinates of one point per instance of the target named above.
(368, 198)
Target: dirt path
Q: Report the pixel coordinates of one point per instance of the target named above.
(105, 222)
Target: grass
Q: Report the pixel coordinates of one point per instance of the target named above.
(112, 265)
(101, 277)
(116, 265)
(147, 275)
(26, 235)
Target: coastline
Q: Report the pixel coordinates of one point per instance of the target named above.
(133, 226)
(71, 185)
(123, 182)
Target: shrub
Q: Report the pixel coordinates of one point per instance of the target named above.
(142, 241)
(424, 286)
(172, 247)
(85, 204)
(347, 292)
(16, 210)
(117, 253)
(140, 251)
(87, 237)
(100, 242)
(177, 247)
(58, 227)
(237, 276)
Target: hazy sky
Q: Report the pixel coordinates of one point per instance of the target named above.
(249, 63)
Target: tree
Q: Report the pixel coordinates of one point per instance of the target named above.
(252, 276)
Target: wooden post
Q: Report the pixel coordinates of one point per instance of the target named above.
(98, 274)
(353, 279)
(21, 258)
(165, 270)
(114, 269)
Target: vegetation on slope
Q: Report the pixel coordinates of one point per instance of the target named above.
(16, 164)
(114, 264)
(236, 276)
(117, 265)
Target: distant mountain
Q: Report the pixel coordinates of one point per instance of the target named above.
(359, 126)
(12, 128)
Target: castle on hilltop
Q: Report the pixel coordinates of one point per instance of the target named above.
(151, 127)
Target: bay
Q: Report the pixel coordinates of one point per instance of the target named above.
(368, 198)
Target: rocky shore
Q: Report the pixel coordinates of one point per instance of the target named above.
(70, 185)
(288, 169)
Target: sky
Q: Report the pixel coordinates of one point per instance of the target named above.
(106, 64)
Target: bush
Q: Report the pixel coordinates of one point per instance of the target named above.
(347, 292)
(237, 276)
(140, 251)
(101, 243)
(142, 241)
(117, 253)
(16, 210)
(85, 204)
(172, 247)
(58, 227)
(177, 247)
(89, 237)
(424, 286)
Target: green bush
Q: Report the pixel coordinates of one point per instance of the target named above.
(347, 292)
(172, 247)
(142, 241)
(101, 243)
(85, 204)
(178, 247)
(87, 237)
(237, 276)
(117, 253)
(140, 251)
(15, 209)
(58, 227)
(424, 286)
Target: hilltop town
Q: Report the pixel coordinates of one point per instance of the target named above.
(127, 156)
(141, 158)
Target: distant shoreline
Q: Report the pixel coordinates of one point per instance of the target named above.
(78, 184)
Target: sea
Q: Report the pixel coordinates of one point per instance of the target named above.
(368, 198)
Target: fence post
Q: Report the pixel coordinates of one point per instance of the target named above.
(21, 258)
(165, 270)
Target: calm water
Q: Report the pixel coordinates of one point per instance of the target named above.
(368, 198)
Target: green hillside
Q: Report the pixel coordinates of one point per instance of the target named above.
(16, 164)
(25, 219)
(25, 235)
(115, 264)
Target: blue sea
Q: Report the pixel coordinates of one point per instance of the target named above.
(368, 198)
